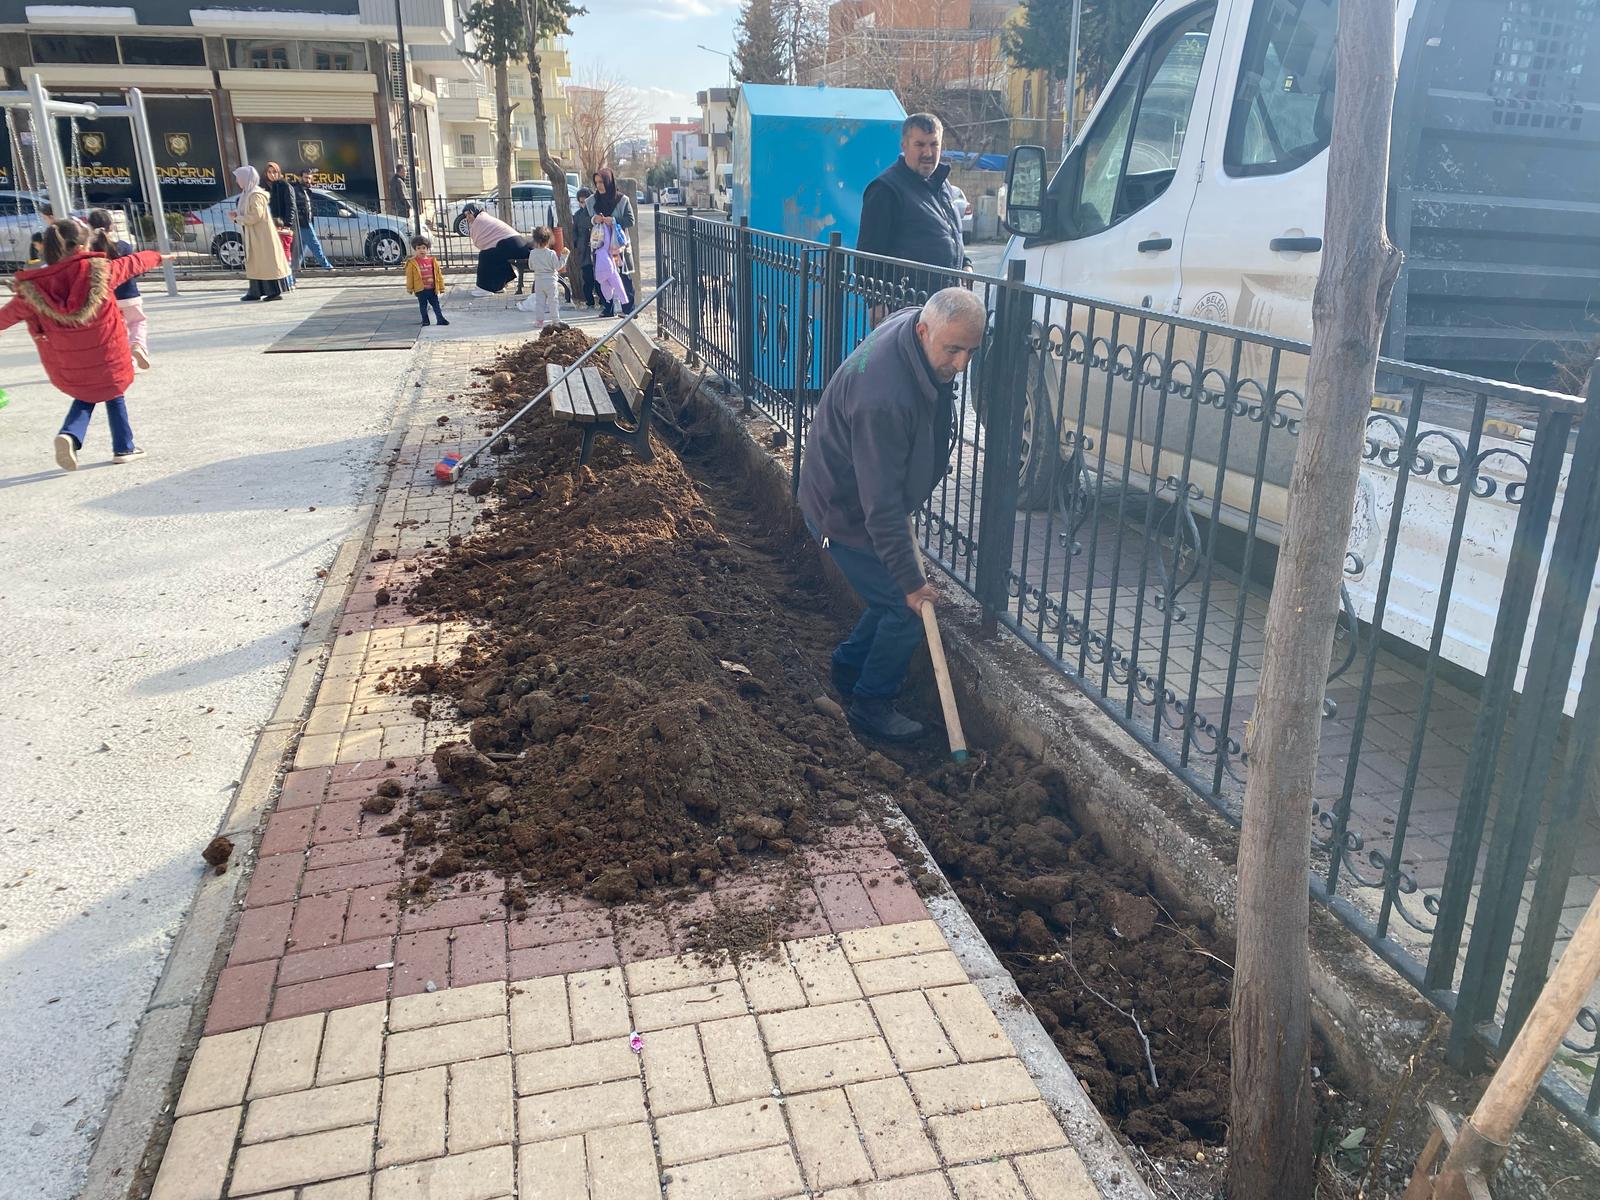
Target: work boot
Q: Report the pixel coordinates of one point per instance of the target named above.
(878, 718)
(844, 680)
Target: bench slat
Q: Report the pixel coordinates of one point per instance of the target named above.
(638, 341)
(602, 409)
(563, 398)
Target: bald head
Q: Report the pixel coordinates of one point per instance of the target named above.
(951, 330)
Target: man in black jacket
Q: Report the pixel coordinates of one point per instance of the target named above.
(305, 210)
(878, 446)
(908, 212)
(285, 210)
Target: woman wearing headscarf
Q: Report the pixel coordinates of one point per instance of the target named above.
(264, 264)
(498, 246)
(608, 206)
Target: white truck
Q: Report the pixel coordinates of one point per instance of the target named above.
(1197, 187)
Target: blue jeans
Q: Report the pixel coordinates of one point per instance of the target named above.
(882, 643)
(426, 297)
(77, 423)
(311, 247)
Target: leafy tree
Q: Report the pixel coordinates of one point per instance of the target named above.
(759, 45)
(1040, 39)
(663, 174)
(496, 26)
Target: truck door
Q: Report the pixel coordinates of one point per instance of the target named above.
(1252, 248)
(1121, 200)
(1126, 192)
(1251, 251)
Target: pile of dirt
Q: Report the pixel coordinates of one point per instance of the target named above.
(643, 695)
(636, 719)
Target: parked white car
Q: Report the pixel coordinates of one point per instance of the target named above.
(963, 209)
(532, 203)
(20, 220)
(346, 230)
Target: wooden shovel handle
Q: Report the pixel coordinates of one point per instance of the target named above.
(941, 675)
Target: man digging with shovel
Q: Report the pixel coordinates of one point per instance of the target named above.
(879, 444)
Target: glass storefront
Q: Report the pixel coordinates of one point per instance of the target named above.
(338, 156)
(101, 166)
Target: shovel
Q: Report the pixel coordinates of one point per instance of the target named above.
(1475, 1150)
(941, 675)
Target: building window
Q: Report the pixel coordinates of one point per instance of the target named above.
(73, 48)
(1027, 97)
(163, 52)
(466, 143)
(334, 56)
(264, 56)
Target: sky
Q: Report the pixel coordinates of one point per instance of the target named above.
(650, 45)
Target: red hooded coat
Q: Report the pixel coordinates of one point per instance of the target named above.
(73, 317)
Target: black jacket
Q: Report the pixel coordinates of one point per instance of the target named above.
(281, 203)
(904, 215)
(878, 446)
(581, 225)
(304, 212)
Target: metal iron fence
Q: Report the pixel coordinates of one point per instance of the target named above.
(1116, 496)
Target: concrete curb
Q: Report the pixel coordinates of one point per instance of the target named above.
(1108, 1162)
(134, 1132)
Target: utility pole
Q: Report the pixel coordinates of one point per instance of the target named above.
(405, 109)
(1270, 1132)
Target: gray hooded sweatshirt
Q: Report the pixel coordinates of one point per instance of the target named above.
(877, 447)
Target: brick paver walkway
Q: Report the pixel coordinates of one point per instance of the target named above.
(358, 1048)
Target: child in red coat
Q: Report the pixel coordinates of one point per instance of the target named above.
(70, 308)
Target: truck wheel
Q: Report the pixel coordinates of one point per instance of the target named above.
(1041, 448)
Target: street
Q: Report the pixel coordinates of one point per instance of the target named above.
(152, 609)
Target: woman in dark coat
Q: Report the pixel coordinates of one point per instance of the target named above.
(610, 207)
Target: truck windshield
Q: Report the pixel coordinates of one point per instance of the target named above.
(1283, 105)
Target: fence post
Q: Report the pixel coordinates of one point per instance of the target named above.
(833, 302)
(744, 286)
(1528, 778)
(802, 374)
(694, 284)
(1000, 397)
(661, 274)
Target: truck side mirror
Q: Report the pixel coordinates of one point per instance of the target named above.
(1025, 191)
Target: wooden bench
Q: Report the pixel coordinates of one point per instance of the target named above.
(582, 397)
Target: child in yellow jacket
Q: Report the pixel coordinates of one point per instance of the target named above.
(423, 278)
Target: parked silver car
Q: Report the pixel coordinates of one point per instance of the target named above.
(532, 204)
(347, 231)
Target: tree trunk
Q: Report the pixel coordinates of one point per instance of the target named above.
(553, 170)
(502, 149)
(1270, 1148)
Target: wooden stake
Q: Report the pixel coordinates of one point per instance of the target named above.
(941, 675)
(1483, 1141)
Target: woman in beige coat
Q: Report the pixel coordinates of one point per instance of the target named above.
(264, 264)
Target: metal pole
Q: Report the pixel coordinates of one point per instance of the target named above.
(44, 135)
(405, 109)
(145, 149)
(1069, 124)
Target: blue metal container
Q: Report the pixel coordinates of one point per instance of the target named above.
(802, 156)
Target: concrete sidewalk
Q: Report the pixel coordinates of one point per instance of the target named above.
(354, 1048)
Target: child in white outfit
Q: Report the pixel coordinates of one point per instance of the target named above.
(545, 263)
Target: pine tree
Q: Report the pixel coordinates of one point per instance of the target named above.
(1039, 41)
(758, 49)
